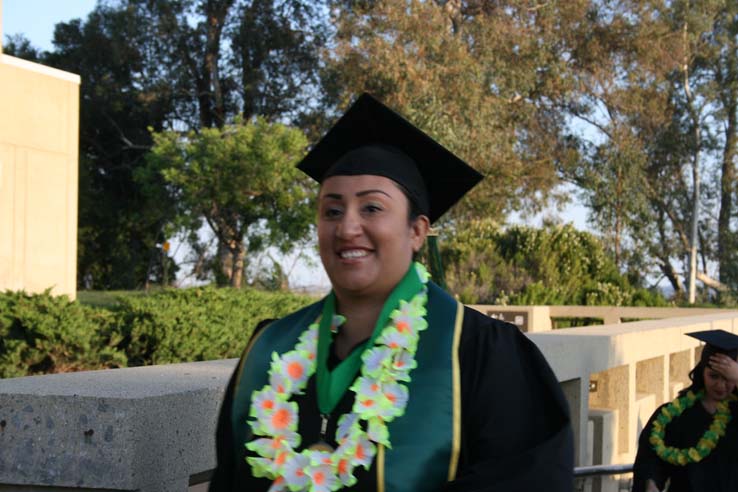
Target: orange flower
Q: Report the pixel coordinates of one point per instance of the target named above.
(281, 419)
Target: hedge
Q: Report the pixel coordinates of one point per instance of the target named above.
(41, 333)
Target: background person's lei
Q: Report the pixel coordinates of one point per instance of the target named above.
(708, 441)
(380, 398)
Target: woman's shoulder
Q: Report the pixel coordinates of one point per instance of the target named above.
(481, 329)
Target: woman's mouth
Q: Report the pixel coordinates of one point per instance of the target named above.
(353, 254)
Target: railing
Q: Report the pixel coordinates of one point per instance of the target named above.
(602, 470)
(599, 478)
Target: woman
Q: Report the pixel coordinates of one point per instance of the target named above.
(388, 383)
(692, 442)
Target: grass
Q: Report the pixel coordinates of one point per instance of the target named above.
(107, 298)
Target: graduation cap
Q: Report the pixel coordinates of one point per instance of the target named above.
(717, 341)
(372, 139)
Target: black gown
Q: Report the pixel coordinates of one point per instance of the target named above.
(515, 433)
(718, 472)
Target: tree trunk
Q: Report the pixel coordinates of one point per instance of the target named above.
(225, 264)
(727, 176)
(216, 12)
(695, 167)
(618, 214)
(711, 282)
(238, 253)
(672, 276)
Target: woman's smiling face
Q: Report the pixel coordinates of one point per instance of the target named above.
(365, 236)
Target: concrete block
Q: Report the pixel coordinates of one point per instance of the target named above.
(680, 363)
(645, 406)
(652, 377)
(674, 389)
(604, 435)
(576, 392)
(147, 428)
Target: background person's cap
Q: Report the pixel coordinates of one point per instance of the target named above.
(717, 341)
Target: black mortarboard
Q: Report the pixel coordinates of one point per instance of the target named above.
(372, 139)
(717, 341)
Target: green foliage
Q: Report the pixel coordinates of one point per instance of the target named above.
(119, 225)
(161, 64)
(40, 333)
(203, 323)
(482, 79)
(554, 265)
(242, 180)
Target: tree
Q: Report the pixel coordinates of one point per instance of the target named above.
(230, 57)
(119, 226)
(184, 65)
(241, 180)
(647, 70)
(483, 78)
(20, 47)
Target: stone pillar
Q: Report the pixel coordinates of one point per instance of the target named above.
(680, 363)
(576, 392)
(615, 389)
(652, 378)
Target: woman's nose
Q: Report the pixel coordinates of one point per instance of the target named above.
(349, 226)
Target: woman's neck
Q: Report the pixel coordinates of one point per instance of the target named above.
(361, 317)
(709, 405)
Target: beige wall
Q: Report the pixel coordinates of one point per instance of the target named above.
(39, 134)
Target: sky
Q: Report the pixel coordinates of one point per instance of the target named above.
(35, 19)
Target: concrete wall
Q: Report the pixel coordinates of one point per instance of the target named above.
(39, 134)
(540, 318)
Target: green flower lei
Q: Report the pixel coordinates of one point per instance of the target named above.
(708, 441)
(381, 396)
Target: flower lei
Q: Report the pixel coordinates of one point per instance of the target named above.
(708, 441)
(380, 398)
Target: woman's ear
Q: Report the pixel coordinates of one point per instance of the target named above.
(418, 232)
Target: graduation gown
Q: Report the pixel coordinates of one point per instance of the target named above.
(718, 472)
(515, 430)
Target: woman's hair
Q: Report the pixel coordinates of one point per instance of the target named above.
(413, 208)
(697, 376)
(413, 212)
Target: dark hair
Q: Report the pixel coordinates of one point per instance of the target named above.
(697, 376)
(413, 208)
(413, 212)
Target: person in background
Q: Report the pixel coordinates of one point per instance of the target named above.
(691, 443)
(389, 383)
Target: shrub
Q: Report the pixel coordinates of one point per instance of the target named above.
(202, 323)
(40, 333)
(553, 265)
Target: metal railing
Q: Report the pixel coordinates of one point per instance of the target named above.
(602, 470)
(602, 477)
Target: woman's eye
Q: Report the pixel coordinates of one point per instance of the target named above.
(372, 208)
(331, 212)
